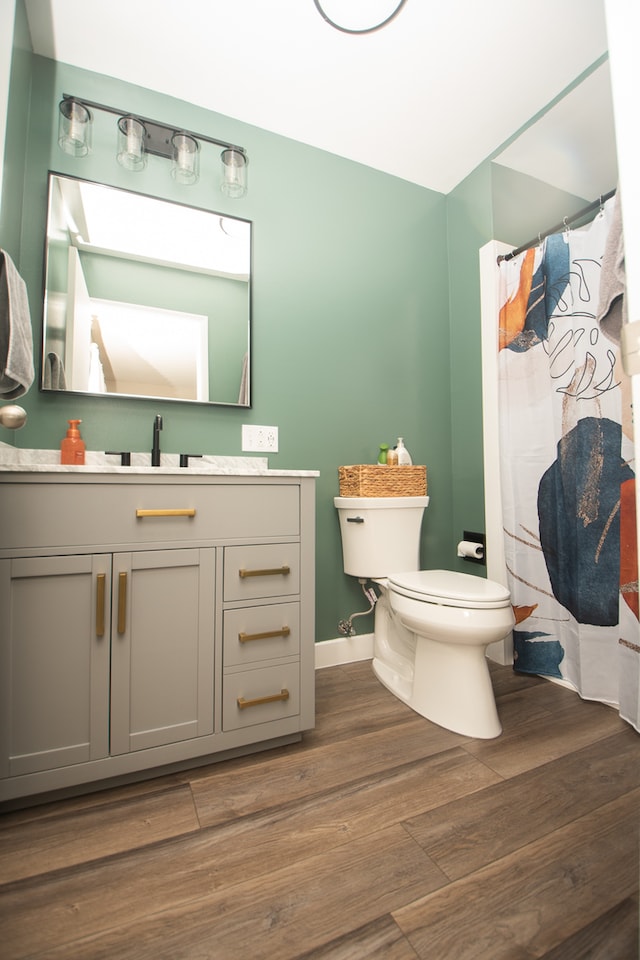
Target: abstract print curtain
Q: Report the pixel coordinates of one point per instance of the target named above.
(567, 465)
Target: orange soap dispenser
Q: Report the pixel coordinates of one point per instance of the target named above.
(72, 447)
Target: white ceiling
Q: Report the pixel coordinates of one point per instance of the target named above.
(427, 98)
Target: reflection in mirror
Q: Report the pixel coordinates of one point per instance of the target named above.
(144, 297)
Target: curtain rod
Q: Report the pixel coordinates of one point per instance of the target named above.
(559, 226)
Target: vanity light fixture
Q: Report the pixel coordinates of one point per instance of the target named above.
(184, 158)
(74, 128)
(138, 137)
(234, 167)
(131, 138)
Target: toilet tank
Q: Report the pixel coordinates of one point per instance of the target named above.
(380, 535)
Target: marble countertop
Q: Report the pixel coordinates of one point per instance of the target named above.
(16, 460)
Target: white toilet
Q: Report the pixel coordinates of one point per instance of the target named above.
(432, 627)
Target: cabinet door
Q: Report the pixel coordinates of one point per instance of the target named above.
(54, 662)
(162, 647)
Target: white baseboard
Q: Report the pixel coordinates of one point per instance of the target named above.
(330, 653)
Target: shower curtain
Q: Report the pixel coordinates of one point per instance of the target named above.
(567, 466)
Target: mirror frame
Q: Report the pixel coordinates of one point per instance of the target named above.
(51, 322)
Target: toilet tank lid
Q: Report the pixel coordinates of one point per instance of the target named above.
(379, 503)
(460, 588)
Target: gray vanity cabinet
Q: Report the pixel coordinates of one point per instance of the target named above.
(172, 624)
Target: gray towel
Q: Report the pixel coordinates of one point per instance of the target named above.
(612, 307)
(16, 338)
(53, 377)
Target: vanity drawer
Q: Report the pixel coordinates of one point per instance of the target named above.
(261, 633)
(251, 697)
(261, 570)
(37, 515)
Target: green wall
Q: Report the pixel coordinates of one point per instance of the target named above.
(350, 343)
(523, 205)
(365, 306)
(470, 221)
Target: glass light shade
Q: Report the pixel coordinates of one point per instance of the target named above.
(234, 173)
(185, 160)
(74, 128)
(131, 137)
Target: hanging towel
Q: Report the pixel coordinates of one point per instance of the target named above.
(16, 339)
(612, 307)
(54, 378)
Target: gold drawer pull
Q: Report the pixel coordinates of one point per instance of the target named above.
(101, 584)
(122, 602)
(177, 512)
(283, 695)
(245, 637)
(283, 571)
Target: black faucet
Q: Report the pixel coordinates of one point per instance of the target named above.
(155, 450)
(185, 457)
(125, 456)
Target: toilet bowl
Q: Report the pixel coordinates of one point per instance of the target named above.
(431, 627)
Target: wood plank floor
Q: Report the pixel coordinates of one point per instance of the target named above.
(380, 836)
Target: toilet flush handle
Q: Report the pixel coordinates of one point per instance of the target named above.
(355, 519)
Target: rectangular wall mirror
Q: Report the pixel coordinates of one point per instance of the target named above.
(144, 297)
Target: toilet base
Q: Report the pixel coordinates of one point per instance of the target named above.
(446, 682)
(449, 685)
(452, 687)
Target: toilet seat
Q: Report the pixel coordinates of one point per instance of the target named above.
(451, 589)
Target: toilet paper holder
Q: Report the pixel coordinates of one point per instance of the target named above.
(473, 547)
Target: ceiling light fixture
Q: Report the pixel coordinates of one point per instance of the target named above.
(377, 26)
(138, 137)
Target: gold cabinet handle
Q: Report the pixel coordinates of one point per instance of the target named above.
(122, 602)
(246, 637)
(243, 704)
(101, 585)
(170, 512)
(282, 571)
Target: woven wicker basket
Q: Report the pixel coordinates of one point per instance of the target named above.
(367, 480)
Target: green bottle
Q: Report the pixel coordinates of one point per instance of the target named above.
(382, 456)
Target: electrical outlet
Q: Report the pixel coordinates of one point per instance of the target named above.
(259, 439)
